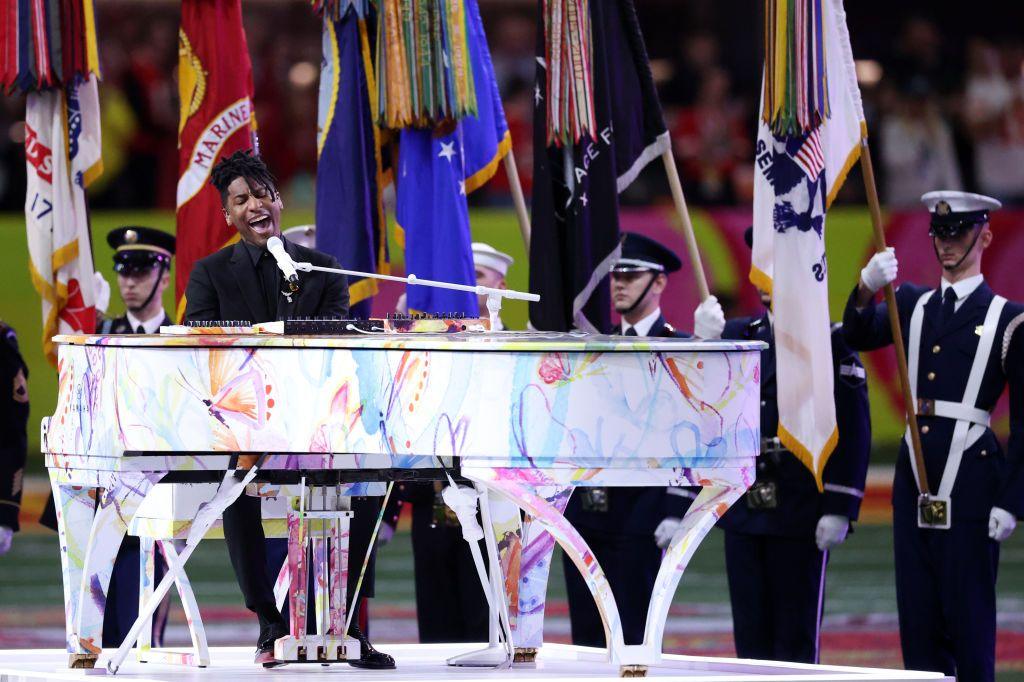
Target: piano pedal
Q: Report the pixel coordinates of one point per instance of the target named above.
(633, 671)
(526, 654)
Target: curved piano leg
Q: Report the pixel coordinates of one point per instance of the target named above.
(75, 506)
(713, 501)
(535, 565)
(529, 500)
(116, 504)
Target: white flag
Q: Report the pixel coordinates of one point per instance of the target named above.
(62, 152)
(796, 179)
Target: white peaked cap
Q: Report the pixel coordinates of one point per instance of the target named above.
(485, 255)
(959, 202)
(303, 235)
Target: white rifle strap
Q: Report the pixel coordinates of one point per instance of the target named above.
(959, 442)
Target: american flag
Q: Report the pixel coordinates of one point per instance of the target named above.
(810, 156)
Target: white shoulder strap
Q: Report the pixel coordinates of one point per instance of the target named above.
(913, 353)
(959, 442)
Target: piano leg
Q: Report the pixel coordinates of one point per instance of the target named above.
(534, 566)
(75, 507)
(712, 502)
(533, 503)
(87, 578)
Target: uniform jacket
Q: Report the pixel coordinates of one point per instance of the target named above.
(800, 505)
(633, 510)
(989, 475)
(225, 286)
(121, 325)
(13, 426)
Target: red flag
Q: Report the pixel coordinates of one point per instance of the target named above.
(217, 119)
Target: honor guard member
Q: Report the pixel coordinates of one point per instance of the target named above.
(778, 536)
(242, 281)
(627, 527)
(142, 261)
(13, 433)
(964, 345)
(491, 268)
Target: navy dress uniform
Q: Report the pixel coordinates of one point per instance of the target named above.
(775, 566)
(136, 250)
(964, 346)
(13, 433)
(619, 523)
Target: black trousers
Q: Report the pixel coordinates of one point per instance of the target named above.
(946, 597)
(630, 562)
(450, 603)
(122, 607)
(777, 591)
(247, 548)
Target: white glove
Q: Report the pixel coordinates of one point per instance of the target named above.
(708, 319)
(666, 530)
(462, 500)
(102, 291)
(831, 531)
(880, 270)
(7, 535)
(1000, 524)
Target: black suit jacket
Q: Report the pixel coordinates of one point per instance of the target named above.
(225, 286)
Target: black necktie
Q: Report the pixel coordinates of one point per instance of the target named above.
(140, 329)
(630, 332)
(948, 305)
(270, 280)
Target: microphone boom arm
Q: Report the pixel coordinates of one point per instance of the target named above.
(494, 296)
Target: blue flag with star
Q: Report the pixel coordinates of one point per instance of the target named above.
(435, 173)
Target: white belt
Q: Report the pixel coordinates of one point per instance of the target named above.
(971, 422)
(951, 410)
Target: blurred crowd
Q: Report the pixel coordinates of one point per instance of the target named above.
(945, 105)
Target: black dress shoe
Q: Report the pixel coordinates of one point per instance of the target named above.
(265, 648)
(369, 658)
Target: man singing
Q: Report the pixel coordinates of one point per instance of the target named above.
(242, 282)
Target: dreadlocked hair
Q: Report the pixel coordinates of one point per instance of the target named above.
(242, 164)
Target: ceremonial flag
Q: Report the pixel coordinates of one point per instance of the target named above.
(809, 137)
(217, 119)
(436, 172)
(579, 168)
(349, 177)
(62, 154)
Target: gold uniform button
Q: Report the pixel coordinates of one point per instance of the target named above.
(925, 429)
(931, 376)
(936, 348)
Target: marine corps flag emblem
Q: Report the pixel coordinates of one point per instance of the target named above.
(217, 119)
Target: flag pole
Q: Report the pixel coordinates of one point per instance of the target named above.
(684, 216)
(518, 199)
(894, 320)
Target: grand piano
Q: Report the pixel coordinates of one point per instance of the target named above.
(526, 417)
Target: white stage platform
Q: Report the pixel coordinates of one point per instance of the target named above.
(427, 662)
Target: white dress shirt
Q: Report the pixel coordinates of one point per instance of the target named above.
(963, 289)
(151, 326)
(643, 326)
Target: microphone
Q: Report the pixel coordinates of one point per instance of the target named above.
(276, 248)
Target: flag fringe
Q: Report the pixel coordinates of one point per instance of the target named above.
(816, 465)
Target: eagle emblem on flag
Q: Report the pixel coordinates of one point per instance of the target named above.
(797, 175)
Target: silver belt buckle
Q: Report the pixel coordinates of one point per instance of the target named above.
(934, 512)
